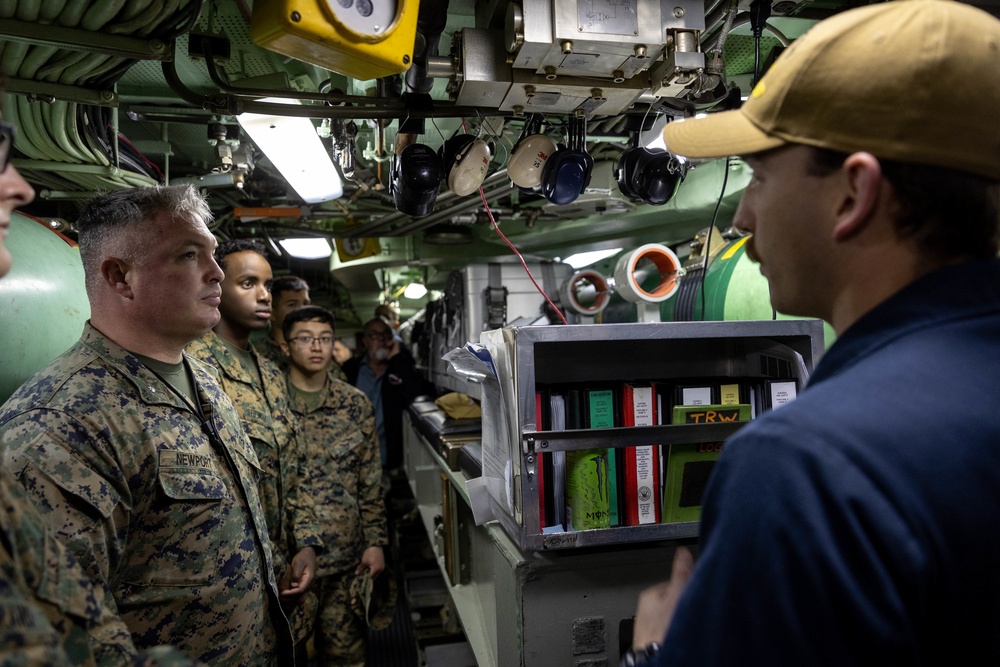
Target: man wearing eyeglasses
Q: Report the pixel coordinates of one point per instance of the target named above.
(387, 374)
(257, 389)
(342, 471)
(290, 293)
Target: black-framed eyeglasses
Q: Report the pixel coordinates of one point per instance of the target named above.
(306, 341)
(7, 133)
(379, 335)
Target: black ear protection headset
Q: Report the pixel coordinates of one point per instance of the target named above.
(567, 173)
(649, 176)
(415, 179)
(451, 148)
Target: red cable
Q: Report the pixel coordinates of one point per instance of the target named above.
(519, 257)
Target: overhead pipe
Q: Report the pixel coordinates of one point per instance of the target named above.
(233, 104)
(85, 40)
(443, 198)
(473, 203)
(742, 19)
(432, 18)
(221, 79)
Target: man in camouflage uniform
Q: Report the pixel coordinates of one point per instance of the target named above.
(51, 612)
(341, 446)
(290, 293)
(133, 453)
(257, 389)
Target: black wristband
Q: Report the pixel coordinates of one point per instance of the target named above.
(641, 658)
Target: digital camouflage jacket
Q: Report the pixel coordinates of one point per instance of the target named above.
(51, 613)
(158, 503)
(267, 419)
(344, 472)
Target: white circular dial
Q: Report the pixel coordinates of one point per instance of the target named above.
(365, 17)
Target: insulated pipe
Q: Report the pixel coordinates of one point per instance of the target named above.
(29, 10)
(667, 265)
(130, 24)
(55, 66)
(99, 13)
(593, 283)
(72, 14)
(167, 9)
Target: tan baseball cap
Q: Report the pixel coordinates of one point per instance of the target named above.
(911, 80)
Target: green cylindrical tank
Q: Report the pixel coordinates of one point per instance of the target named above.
(43, 301)
(735, 290)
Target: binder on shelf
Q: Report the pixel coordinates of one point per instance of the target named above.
(690, 465)
(730, 393)
(587, 490)
(600, 413)
(563, 364)
(642, 490)
(557, 411)
(696, 394)
(780, 392)
(543, 463)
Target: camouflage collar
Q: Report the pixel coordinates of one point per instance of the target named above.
(229, 364)
(332, 398)
(151, 388)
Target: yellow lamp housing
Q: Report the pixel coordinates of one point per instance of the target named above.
(350, 249)
(362, 39)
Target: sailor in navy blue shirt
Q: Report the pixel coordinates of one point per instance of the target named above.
(860, 524)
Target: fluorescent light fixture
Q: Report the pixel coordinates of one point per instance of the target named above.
(295, 150)
(308, 248)
(415, 291)
(582, 259)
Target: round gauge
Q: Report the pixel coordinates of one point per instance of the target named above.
(371, 18)
(351, 247)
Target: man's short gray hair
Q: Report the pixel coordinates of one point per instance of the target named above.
(106, 223)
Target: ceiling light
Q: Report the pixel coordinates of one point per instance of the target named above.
(582, 259)
(415, 291)
(295, 150)
(308, 248)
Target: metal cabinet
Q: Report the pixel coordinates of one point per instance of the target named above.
(528, 599)
(527, 358)
(528, 608)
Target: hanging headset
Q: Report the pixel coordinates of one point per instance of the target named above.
(529, 155)
(465, 160)
(648, 175)
(567, 173)
(415, 180)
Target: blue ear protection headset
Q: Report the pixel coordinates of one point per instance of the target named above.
(567, 173)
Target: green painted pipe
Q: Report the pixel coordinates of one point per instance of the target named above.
(735, 290)
(43, 301)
